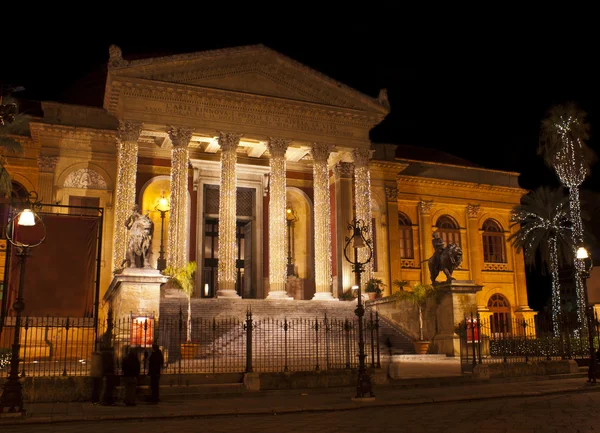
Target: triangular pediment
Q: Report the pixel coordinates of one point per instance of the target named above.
(254, 70)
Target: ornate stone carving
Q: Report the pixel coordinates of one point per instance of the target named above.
(115, 57)
(129, 131)
(495, 267)
(473, 210)
(343, 170)
(321, 151)
(85, 178)
(229, 141)
(47, 164)
(278, 146)
(383, 98)
(180, 137)
(391, 194)
(140, 229)
(425, 206)
(361, 157)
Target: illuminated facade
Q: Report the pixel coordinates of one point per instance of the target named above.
(234, 136)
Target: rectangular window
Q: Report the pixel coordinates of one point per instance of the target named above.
(406, 246)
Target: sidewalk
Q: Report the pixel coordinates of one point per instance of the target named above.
(291, 401)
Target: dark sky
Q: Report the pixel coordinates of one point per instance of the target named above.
(475, 83)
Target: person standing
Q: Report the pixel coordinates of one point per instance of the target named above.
(96, 373)
(131, 372)
(155, 365)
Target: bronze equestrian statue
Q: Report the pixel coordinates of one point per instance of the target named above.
(445, 259)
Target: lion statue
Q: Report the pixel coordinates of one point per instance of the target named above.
(140, 229)
(447, 261)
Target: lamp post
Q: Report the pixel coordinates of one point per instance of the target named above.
(31, 233)
(364, 388)
(584, 270)
(163, 208)
(291, 219)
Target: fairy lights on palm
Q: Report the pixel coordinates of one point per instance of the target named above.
(563, 144)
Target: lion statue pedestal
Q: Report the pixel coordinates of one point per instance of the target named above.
(457, 299)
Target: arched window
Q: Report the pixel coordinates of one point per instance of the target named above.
(500, 309)
(405, 235)
(493, 242)
(448, 229)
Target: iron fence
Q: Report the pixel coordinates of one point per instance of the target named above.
(501, 340)
(64, 346)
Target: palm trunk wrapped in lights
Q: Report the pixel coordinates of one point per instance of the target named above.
(563, 144)
(177, 241)
(227, 272)
(127, 154)
(277, 219)
(362, 199)
(323, 280)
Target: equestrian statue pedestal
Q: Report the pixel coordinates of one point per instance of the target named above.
(457, 300)
(135, 291)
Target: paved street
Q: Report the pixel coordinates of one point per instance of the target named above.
(571, 413)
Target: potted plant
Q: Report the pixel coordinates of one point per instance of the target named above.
(418, 297)
(184, 279)
(374, 288)
(347, 295)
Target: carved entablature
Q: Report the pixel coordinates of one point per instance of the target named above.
(85, 178)
(47, 164)
(391, 194)
(343, 170)
(473, 210)
(425, 206)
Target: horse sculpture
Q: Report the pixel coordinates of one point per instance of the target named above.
(447, 261)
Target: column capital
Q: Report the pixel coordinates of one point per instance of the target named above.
(278, 146)
(180, 137)
(229, 140)
(361, 157)
(129, 131)
(391, 194)
(47, 164)
(425, 206)
(473, 210)
(320, 151)
(343, 170)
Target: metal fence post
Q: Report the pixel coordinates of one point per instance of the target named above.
(285, 338)
(248, 327)
(26, 328)
(347, 335)
(66, 345)
(317, 343)
(377, 339)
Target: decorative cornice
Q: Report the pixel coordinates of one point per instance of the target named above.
(391, 194)
(47, 164)
(473, 210)
(361, 157)
(425, 206)
(229, 141)
(320, 151)
(180, 137)
(278, 146)
(129, 131)
(343, 170)
(454, 184)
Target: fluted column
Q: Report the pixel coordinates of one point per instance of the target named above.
(362, 200)
(177, 242)
(47, 166)
(127, 155)
(277, 220)
(320, 153)
(343, 173)
(227, 273)
(475, 253)
(426, 235)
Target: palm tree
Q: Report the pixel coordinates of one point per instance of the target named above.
(545, 229)
(184, 278)
(418, 297)
(563, 145)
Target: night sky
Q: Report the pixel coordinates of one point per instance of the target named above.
(473, 83)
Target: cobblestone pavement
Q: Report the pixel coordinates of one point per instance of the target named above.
(570, 413)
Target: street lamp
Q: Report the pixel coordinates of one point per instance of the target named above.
(163, 208)
(29, 233)
(364, 388)
(291, 219)
(584, 270)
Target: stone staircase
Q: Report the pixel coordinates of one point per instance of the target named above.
(391, 334)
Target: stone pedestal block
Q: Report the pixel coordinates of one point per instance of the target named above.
(137, 291)
(457, 299)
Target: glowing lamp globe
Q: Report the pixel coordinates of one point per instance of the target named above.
(163, 204)
(582, 253)
(26, 218)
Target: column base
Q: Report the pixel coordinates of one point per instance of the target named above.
(324, 296)
(279, 294)
(229, 294)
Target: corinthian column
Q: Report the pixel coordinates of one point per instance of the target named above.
(47, 165)
(426, 235)
(362, 199)
(177, 241)
(475, 253)
(227, 219)
(320, 153)
(277, 220)
(127, 154)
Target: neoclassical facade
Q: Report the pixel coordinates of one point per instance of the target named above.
(237, 140)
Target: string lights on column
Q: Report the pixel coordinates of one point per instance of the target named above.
(362, 198)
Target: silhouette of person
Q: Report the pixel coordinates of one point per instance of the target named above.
(155, 365)
(131, 371)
